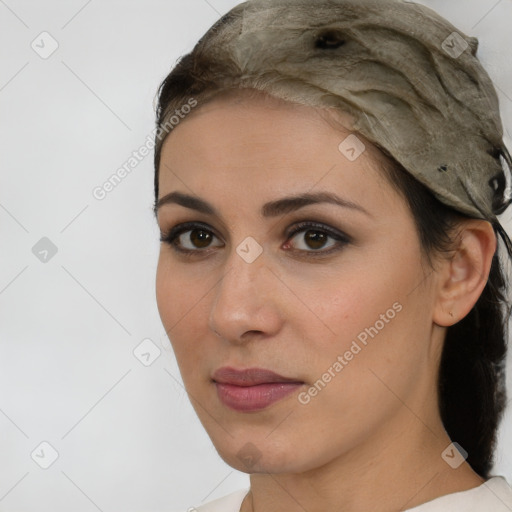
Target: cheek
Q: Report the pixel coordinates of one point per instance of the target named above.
(174, 292)
(182, 306)
(175, 301)
(372, 318)
(377, 339)
(349, 304)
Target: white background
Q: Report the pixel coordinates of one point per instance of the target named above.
(126, 435)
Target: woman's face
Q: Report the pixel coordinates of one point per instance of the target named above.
(339, 307)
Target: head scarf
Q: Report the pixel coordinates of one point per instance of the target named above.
(410, 80)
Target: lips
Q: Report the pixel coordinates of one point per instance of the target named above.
(248, 377)
(252, 389)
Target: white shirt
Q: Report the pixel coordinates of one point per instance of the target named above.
(494, 495)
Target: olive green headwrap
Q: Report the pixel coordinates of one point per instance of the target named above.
(410, 80)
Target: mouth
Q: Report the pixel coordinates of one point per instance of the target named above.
(252, 389)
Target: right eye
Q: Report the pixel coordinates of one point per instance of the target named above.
(190, 237)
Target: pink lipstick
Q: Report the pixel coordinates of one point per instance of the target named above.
(252, 389)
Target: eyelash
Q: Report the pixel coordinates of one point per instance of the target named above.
(172, 236)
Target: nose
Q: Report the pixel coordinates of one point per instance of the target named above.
(246, 299)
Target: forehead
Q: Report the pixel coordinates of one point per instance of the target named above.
(239, 157)
(252, 126)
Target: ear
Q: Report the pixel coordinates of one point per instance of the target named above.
(462, 277)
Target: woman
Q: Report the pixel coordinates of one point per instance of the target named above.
(328, 176)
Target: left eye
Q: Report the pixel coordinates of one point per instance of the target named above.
(315, 236)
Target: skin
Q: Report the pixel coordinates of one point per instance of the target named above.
(376, 425)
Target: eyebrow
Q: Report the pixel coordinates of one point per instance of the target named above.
(270, 209)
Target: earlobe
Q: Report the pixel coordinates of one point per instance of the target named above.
(464, 275)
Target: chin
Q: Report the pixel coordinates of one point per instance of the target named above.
(248, 455)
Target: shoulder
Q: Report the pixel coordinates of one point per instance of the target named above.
(229, 503)
(495, 494)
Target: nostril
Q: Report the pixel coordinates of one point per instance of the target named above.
(329, 40)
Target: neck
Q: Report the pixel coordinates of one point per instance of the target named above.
(395, 470)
